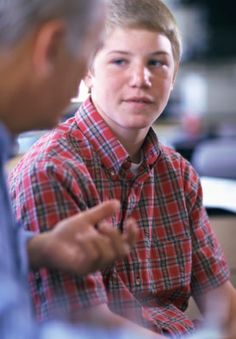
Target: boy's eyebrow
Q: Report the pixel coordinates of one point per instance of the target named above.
(119, 52)
(160, 53)
(130, 53)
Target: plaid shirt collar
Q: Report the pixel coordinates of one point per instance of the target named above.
(111, 152)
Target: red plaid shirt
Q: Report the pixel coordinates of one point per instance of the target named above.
(81, 163)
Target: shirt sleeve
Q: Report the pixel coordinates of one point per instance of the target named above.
(43, 194)
(210, 268)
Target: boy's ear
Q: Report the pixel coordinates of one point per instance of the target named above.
(49, 42)
(175, 74)
(88, 80)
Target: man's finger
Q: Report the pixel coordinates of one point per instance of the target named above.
(130, 231)
(98, 213)
(119, 244)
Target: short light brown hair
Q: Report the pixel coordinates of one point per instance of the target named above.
(152, 15)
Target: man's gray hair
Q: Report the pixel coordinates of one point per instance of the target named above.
(19, 17)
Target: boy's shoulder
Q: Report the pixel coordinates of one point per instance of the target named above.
(62, 148)
(169, 153)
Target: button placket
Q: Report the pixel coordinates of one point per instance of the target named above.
(137, 281)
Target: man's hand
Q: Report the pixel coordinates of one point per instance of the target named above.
(76, 246)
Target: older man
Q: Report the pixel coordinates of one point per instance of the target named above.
(44, 49)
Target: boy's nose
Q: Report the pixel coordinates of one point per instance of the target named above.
(140, 76)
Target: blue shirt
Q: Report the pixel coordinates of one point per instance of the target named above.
(15, 305)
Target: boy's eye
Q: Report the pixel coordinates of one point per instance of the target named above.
(155, 63)
(118, 61)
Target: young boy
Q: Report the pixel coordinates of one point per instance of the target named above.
(109, 150)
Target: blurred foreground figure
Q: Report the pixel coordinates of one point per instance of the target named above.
(44, 50)
(110, 150)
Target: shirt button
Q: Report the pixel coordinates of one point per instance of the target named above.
(138, 281)
(126, 165)
(37, 275)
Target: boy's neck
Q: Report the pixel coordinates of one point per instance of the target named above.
(132, 142)
(131, 138)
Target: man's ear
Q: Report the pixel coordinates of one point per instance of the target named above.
(49, 41)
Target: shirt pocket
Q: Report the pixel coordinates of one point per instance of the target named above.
(171, 263)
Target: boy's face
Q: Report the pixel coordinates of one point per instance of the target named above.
(132, 77)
